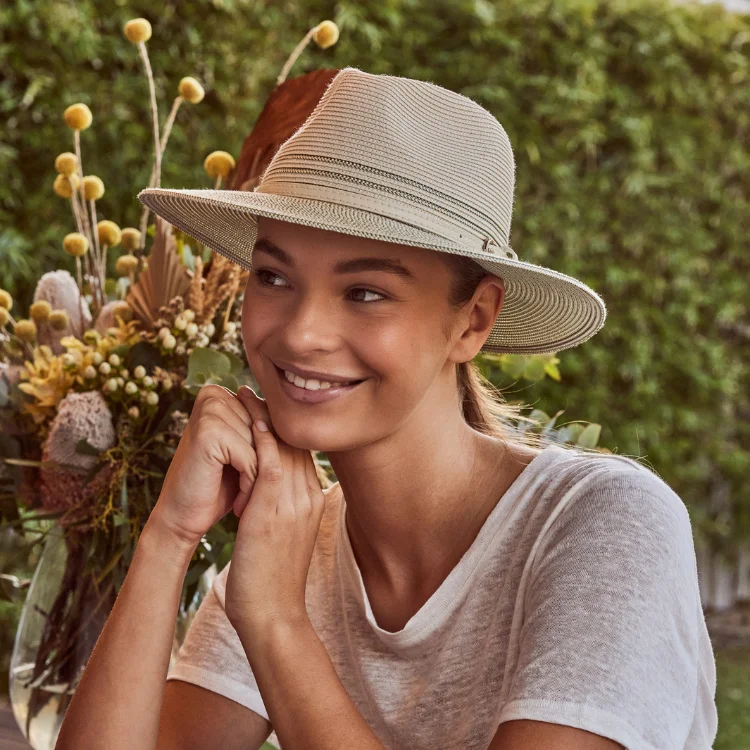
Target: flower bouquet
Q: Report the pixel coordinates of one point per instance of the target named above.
(97, 382)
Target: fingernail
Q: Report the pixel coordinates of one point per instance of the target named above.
(261, 425)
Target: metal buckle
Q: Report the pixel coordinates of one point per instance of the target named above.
(489, 245)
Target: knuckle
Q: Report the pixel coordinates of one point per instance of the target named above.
(272, 473)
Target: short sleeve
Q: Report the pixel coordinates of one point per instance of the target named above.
(613, 631)
(212, 655)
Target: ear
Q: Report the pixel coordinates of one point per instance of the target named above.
(479, 316)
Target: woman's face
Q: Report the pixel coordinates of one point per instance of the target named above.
(352, 309)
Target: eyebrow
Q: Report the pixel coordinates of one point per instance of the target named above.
(356, 265)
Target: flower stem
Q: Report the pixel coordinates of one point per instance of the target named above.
(155, 118)
(295, 54)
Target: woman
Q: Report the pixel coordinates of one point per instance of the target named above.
(461, 585)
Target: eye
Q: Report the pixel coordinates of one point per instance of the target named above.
(368, 291)
(261, 274)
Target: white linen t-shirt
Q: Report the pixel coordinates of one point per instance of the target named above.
(577, 603)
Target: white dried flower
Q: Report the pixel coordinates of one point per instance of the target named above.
(112, 384)
(120, 381)
(131, 388)
(189, 315)
(152, 398)
(148, 381)
(134, 412)
(209, 329)
(164, 332)
(114, 360)
(230, 328)
(169, 342)
(89, 373)
(180, 323)
(104, 368)
(139, 372)
(97, 358)
(167, 384)
(191, 329)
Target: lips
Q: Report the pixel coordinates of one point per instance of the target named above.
(282, 374)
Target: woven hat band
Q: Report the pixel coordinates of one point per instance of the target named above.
(387, 200)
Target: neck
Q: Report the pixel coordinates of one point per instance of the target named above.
(416, 500)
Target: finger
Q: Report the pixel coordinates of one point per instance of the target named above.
(270, 483)
(223, 410)
(257, 407)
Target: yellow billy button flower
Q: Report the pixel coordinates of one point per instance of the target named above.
(78, 116)
(93, 187)
(326, 34)
(130, 239)
(138, 30)
(126, 264)
(218, 164)
(190, 90)
(62, 182)
(66, 163)
(58, 320)
(25, 330)
(6, 301)
(109, 232)
(75, 244)
(3, 316)
(40, 311)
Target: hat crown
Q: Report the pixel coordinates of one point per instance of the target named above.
(413, 146)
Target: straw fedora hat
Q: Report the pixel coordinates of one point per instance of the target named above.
(405, 161)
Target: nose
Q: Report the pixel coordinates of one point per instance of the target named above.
(310, 324)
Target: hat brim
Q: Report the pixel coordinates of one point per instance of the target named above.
(544, 311)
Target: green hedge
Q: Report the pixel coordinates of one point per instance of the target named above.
(629, 122)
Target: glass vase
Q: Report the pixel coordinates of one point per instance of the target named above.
(63, 615)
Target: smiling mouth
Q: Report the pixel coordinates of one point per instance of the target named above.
(313, 384)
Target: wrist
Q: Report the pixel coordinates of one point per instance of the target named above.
(160, 536)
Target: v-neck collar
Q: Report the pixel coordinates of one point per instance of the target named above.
(438, 607)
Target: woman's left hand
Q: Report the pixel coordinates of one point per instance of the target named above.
(276, 533)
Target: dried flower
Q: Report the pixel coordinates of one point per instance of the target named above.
(75, 244)
(130, 239)
(93, 187)
(138, 30)
(218, 164)
(148, 381)
(152, 398)
(66, 163)
(112, 385)
(39, 311)
(190, 90)
(169, 342)
(189, 315)
(6, 300)
(114, 360)
(59, 320)
(180, 323)
(134, 412)
(62, 187)
(47, 381)
(25, 330)
(109, 232)
(105, 368)
(326, 34)
(139, 372)
(90, 372)
(131, 388)
(191, 330)
(3, 316)
(78, 116)
(126, 264)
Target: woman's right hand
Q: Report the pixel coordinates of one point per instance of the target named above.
(213, 469)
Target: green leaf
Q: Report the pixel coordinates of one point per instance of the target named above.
(589, 437)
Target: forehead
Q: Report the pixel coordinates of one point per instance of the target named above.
(295, 244)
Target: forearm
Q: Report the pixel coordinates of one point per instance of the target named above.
(307, 704)
(117, 703)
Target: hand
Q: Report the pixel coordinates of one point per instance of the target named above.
(276, 534)
(213, 469)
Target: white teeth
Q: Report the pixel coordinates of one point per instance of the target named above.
(310, 385)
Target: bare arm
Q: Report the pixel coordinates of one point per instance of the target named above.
(117, 703)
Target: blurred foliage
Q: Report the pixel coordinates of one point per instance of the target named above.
(629, 122)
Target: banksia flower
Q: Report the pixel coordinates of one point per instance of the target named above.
(93, 187)
(126, 264)
(190, 90)
(58, 320)
(138, 30)
(326, 34)
(109, 314)
(109, 232)
(40, 311)
(61, 185)
(78, 116)
(6, 300)
(218, 164)
(80, 416)
(25, 330)
(66, 163)
(130, 238)
(75, 244)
